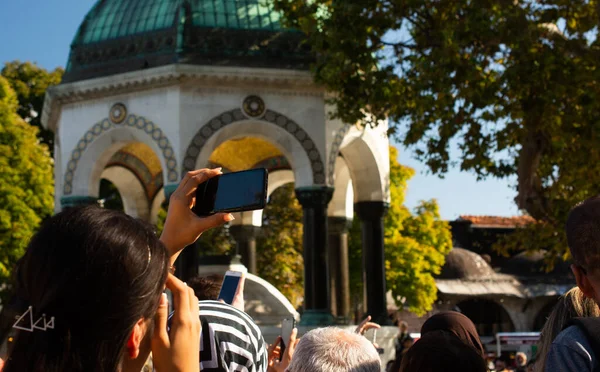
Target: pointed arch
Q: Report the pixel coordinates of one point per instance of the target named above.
(139, 126)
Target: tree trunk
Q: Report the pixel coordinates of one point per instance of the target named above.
(530, 197)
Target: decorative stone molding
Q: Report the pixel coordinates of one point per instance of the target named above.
(76, 201)
(274, 164)
(106, 125)
(232, 116)
(254, 106)
(118, 113)
(152, 183)
(314, 197)
(335, 150)
(300, 82)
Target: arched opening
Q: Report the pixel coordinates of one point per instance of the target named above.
(131, 177)
(298, 149)
(109, 196)
(136, 172)
(269, 241)
(95, 149)
(362, 173)
(488, 316)
(368, 165)
(156, 206)
(342, 202)
(279, 250)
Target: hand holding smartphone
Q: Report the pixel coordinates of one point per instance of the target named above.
(232, 192)
(374, 342)
(287, 326)
(230, 285)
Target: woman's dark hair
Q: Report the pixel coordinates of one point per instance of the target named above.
(442, 351)
(97, 272)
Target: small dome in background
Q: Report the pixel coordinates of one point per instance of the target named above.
(531, 264)
(464, 264)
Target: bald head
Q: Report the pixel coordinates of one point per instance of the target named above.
(334, 350)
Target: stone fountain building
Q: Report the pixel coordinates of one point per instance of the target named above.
(156, 88)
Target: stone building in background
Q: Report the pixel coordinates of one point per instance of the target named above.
(499, 294)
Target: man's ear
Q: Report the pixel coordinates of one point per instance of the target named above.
(583, 282)
(135, 339)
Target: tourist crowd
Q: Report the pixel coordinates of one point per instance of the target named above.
(92, 285)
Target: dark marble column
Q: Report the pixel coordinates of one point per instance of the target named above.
(371, 215)
(245, 237)
(317, 304)
(169, 190)
(338, 266)
(77, 201)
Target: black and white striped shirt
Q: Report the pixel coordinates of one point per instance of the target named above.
(230, 340)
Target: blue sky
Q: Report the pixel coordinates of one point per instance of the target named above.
(42, 30)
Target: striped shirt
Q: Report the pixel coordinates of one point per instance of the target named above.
(230, 340)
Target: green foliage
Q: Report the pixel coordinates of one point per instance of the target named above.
(513, 84)
(214, 242)
(26, 182)
(279, 248)
(30, 83)
(415, 246)
(160, 220)
(110, 196)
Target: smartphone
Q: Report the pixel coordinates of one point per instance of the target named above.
(232, 192)
(231, 282)
(379, 349)
(287, 325)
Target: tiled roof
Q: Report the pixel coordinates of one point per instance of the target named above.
(495, 221)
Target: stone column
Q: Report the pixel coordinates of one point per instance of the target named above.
(169, 190)
(338, 266)
(317, 304)
(245, 237)
(77, 201)
(371, 215)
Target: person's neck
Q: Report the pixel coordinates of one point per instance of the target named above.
(130, 365)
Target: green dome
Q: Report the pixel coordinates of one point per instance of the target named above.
(118, 36)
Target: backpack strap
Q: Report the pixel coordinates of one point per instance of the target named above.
(591, 328)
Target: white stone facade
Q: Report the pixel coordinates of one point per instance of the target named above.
(184, 112)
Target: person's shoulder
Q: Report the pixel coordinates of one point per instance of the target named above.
(570, 336)
(571, 351)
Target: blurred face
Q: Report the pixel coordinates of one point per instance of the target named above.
(403, 327)
(521, 361)
(500, 365)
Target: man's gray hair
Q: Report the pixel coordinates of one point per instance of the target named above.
(334, 350)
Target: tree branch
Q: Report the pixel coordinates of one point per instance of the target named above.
(398, 44)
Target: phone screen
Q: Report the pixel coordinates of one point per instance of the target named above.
(232, 192)
(229, 287)
(287, 325)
